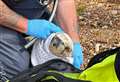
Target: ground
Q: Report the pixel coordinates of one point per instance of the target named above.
(99, 22)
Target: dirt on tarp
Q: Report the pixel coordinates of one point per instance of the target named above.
(99, 22)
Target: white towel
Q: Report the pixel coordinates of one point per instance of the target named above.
(41, 53)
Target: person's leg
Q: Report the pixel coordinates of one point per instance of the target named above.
(14, 58)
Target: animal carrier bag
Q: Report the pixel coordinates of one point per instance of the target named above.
(104, 67)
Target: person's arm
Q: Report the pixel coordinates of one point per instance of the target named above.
(10, 19)
(36, 27)
(66, 16)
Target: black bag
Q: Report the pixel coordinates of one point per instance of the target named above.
(57, 69)
(37, 73)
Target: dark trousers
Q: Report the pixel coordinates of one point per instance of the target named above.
(14, 58)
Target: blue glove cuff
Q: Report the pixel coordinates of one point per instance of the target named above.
(31, 29)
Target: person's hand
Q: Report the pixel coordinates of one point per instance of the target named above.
(41, 28)
(77, 55)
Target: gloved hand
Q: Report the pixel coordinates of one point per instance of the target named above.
(77, 55)
(41, 28)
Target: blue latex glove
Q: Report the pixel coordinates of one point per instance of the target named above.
(41, 28)
(77, 55)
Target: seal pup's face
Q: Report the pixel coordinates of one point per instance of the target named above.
(61, 45)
